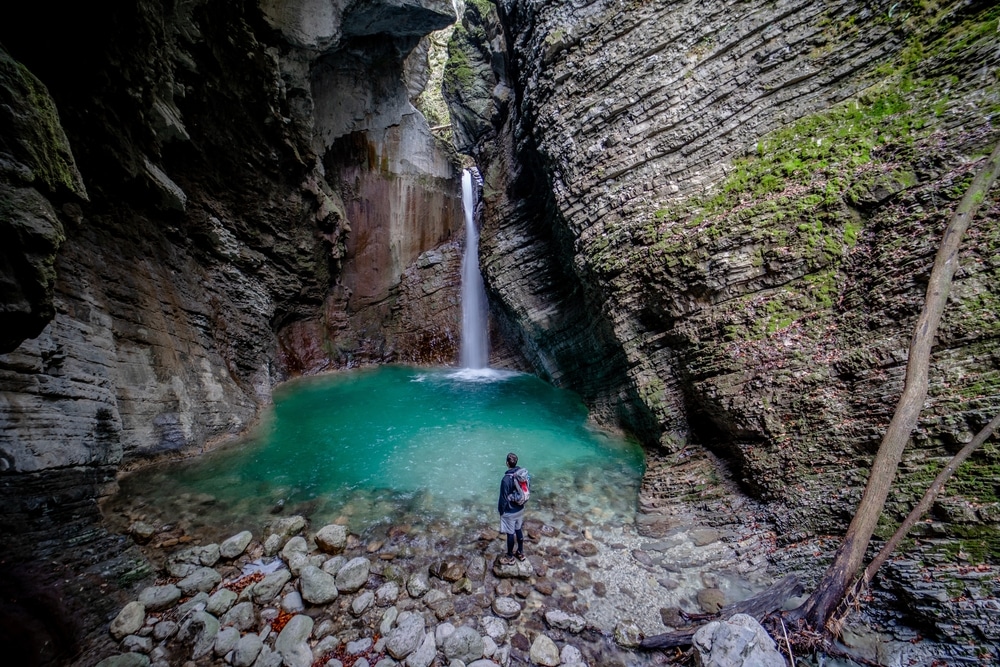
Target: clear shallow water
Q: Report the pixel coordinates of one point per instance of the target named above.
(398, 445)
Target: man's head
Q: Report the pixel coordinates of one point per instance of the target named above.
(511, 460)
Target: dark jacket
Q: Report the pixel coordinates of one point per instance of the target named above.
(506, 488)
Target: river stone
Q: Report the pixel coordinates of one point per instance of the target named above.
(156, 598)
(737, 641)
(506, 607)
(387, 594)
(129, 620)
(388, 620)
(246, 650)
(359, 646)
(483, 663)
(495, 628)
(292, 642)
(272, 544)
(197, 602)
(354, 574)
(226, 640)
(562, 621)
(295, 545)
(544, 652)
(519, 569)
(240, 617)
(203, 579)
(425, 653)
(711, 600)
(287, 526)
(570, 655)
(417, 585)
(137, 644)
(585, 548)
(317, 586)
(463, 644)
(199, 631)
(489, 647)
(220, 602)
(164, 630)
(443, 631)
(268, 658)
(265, 589)
(333, 565)
(125, 660)
(362, 603)
(292, 603)
(235, 545)
(407, 636)
(628, 634)
(331, 538)
(449, 570)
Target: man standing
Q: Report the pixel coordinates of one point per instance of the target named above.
(511, 513)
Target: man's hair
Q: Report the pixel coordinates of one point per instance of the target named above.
(511, 460)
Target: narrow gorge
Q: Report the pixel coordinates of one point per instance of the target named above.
(713, 221)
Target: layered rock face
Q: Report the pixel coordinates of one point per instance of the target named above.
(716, 221)
(198, 200)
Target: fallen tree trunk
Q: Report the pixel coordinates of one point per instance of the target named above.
(758, 606)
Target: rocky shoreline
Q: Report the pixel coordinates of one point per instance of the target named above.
(300, 598)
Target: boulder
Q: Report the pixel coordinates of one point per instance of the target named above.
(287, 526)
(544, 652)
(505, 607)
(226, 640)
(292, 642)
(407, 636)
(268, 587)
(331, 538)
(246, 650)
(240, 617)
(202, 579)
(449, 570)
(463, 644)
(562, 621)
(317, 586)
(199, 631)
(235, 545)
(129, 620)
(220, 602)
(417, 585)
(739, 641)
(362, 603)
(387, 594)
(425, 653)
(353, 575)
(157, 598)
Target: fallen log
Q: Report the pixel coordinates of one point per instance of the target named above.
(758, 606)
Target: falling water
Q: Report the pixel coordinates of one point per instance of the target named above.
(475, 343)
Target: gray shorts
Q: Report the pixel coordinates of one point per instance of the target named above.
(511, 522)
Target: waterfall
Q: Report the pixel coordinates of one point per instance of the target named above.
(475, 341)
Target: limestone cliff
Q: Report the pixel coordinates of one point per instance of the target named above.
(715, 220)
(198, 200)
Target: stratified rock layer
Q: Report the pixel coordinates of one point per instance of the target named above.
(184, 224)
(716, 220)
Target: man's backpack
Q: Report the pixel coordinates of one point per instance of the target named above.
(522, 486)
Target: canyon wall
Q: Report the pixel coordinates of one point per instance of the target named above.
(198, 200)
(716, 222)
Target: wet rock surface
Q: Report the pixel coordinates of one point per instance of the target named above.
(657, 272)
